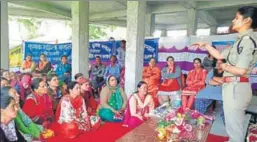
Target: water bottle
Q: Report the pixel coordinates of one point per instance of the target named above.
(176, 101)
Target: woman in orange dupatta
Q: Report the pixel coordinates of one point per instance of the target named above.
(152, 76)
(28, 65)
(44, 66)
(194, 83)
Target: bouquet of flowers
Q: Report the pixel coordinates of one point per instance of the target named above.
(180, 120)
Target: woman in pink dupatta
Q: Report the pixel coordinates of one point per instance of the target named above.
(138, 107)
(194, 83)
(23, 87)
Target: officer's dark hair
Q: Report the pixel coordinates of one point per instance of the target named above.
(249, 11)
(97, 57)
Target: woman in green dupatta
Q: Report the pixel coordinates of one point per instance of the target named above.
(112, 101)
(29, 130)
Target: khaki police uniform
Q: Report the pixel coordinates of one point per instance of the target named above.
(237, 95)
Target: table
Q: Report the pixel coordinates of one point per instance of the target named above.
(146, 133)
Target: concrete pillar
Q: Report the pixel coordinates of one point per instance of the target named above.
(149, 25)
(135, 44)
(4, 36)
(80, 37)
(192, 21)
(213, 30)
(164, 32)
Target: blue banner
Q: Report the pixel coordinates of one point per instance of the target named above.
(150, 49)
(53, 52)
(103, 49)
(221, 45)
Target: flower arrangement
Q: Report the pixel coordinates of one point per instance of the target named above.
(177, 121)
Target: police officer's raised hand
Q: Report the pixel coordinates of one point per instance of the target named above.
(200, 44)
(214, 52)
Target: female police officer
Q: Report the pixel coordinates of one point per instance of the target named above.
(241, 58)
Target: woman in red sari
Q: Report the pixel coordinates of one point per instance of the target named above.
(38, 105)
(152, 76)
(87, 94)
(194, 83)
(71, 114)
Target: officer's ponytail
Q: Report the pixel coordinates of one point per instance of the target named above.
(249, 11)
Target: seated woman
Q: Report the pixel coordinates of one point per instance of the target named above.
(4, 82)
(87, 94)
(194, 83)
(139, 105)
(64, 88)
(43, 66)
(208, 62)
(113, 101)
(9, 110)
(213, 90)
(38, 105)
(6, 74)
(170, 88)
(54, 90)
(23, 87)
(71, 114)
(152, 76)
(14, 79)
(30, 130)
(28, 65)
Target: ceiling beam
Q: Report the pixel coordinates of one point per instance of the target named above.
(184, 26)
(207, 18)
(189, 4)
(171, 8)
(107, 15)
(167, 8)
(123, 3)
(34, 13)
(121, 23)
(46, 7)
(224, 4)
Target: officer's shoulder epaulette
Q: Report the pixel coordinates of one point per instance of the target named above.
(246, 37)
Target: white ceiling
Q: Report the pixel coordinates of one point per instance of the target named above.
(172, 14)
